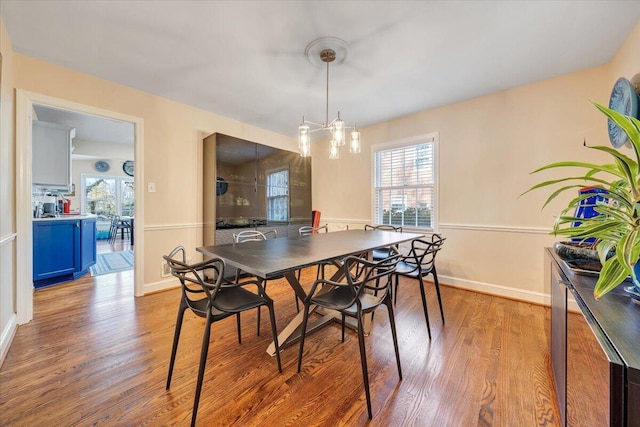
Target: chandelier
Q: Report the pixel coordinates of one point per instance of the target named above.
(328, 50)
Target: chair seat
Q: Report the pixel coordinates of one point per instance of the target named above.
(199, 307)
(238, 299)
(406, 269)
(381, 253)
(341, 296)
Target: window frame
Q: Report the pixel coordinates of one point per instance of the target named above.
(407, 142)
(118, 195)
(288, 195)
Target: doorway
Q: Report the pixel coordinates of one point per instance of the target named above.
(25, 104)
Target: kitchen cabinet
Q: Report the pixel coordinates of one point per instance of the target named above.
(63, 249)
(51, 156)
(595, 358)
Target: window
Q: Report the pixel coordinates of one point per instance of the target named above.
(107, 195)
(404, 183)
(278, 195)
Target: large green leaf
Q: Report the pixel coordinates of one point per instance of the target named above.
(611, 275)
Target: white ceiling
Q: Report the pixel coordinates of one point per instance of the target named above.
(246, 59)
(88, 127)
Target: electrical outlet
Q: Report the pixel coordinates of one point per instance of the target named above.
(166, 271)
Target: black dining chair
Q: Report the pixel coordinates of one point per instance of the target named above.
(360, 295)
(308, 230)
(118, 225)
(418, 264)
(257, 236)
(382, 253)
(214, 299)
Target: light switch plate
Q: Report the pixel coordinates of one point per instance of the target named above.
(151, 187)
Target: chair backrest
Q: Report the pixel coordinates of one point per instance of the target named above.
(385, 227)
(253, 235)
(307, 230)
(373, 275)
(115, 220)
(423, 252)
(192, 278)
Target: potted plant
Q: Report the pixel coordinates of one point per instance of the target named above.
(616, 227)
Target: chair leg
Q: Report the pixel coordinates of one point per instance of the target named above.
(203, 362)
(274, 331)
(395, 293)
(424, 305)
(435, 280)
(392, 323)
(303, 333)
(176, 338)
(343, 319)
(239, 331)
(264, 287)
(363, 362)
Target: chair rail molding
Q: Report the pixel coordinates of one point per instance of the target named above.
(8, 238)
(495, 228)
(157, 227)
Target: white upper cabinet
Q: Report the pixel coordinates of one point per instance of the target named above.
(51, 156)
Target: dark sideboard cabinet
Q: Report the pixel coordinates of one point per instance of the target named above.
(251, 186)
(595, 353)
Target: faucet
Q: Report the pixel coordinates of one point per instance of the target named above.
(58, 194)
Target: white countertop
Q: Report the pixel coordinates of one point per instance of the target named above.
(67, 217)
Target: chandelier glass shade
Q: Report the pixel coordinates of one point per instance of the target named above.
(336, 128)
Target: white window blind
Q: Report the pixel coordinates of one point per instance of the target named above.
(278, 196)
(404, 185)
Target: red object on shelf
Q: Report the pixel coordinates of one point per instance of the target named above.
(66, 207)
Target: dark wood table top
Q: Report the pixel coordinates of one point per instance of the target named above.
(273, 257)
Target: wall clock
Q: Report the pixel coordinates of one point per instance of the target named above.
(127, 167)
(101, 166)
(624, 100)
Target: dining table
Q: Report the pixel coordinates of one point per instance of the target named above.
(275, 258)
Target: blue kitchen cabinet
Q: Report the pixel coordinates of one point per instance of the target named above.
(87, 245)
(62, 250)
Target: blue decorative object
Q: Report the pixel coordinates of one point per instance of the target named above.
(634, 289)
(101, 166)
(625, 101)
(586, 208)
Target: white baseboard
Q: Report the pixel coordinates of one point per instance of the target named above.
(498, 290)
(7, 337)
(161, 285)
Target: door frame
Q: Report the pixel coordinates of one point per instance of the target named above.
(24, 242)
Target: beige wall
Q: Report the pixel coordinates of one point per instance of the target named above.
(626, 62)
(7, 196)
(487, 147)
(173, 134)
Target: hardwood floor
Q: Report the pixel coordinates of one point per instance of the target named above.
(95, 355)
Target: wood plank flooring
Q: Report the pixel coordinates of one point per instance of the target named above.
(96, 355)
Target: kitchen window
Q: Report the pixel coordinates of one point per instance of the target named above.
(107, 195)
(405, 183)
(278, 195)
